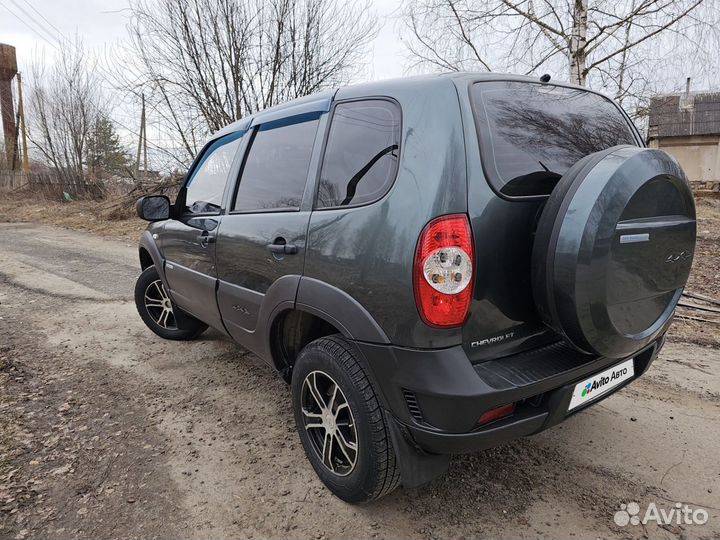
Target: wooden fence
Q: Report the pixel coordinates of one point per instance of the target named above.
(56, 186)
(52, 185)
(12, 180)
(118, 191)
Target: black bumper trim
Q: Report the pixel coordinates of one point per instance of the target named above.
(533, 366)
(474, 441)
(452, 394)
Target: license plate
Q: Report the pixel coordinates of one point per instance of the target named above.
(601, 384)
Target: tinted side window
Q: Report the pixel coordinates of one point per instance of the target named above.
(362, 152)
(204, 189)
(276, 167)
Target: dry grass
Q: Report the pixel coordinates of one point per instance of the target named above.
(76, 215)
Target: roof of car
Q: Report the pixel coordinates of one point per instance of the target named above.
(321, 101)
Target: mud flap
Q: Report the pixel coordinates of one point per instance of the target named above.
(416, 466)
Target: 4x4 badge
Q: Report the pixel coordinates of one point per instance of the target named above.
(675, 257)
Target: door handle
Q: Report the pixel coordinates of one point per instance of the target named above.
(283, 249)
(206, 238)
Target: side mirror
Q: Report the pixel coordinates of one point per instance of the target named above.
(153, 208)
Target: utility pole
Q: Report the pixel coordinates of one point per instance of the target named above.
(144, 134)
(23, 132)
(142, 143)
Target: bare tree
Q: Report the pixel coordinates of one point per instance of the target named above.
(623, 46)
(65, 103)
(206, 63)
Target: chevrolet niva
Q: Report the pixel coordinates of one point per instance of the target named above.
(435, 264)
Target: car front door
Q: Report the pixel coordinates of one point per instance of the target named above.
(188, 241)
(262, 237)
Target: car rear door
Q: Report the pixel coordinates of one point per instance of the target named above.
(262, 237)
(188, 241)
(525, 137)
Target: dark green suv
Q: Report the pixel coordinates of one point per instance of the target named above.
(436, 264)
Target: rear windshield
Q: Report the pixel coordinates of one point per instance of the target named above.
(531, 134)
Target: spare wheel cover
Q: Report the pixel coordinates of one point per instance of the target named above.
(613, 250)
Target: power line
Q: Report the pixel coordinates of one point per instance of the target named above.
(54, 46)
(58, 38)
(25, 23)
(58, 34)
(42, 16)
(31, 18)
(107, 76)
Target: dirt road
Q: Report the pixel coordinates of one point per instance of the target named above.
(108, 431)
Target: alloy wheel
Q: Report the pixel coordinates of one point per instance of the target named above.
(329, 422)
(159, 306)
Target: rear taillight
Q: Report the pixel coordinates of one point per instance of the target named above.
(443, 274)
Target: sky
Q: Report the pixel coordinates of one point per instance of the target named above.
(101, 23)
(34, 26)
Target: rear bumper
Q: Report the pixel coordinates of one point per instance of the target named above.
(437, 396)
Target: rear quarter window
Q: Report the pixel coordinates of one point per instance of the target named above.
(531, 134)
(361, 156)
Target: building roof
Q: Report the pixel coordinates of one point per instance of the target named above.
(685, 114)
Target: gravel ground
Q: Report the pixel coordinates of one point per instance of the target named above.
(108, 431)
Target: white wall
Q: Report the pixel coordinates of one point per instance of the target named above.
(698, 155)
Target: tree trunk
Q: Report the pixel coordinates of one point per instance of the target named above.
(578, 42)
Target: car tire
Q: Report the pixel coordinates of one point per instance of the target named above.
(327, 372)
(159, 313)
